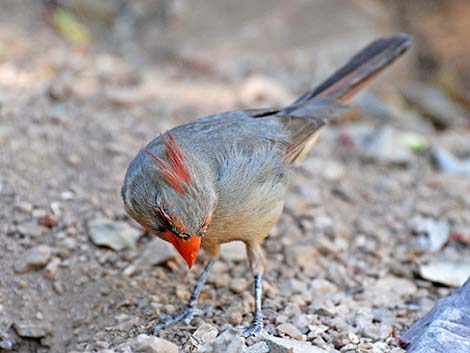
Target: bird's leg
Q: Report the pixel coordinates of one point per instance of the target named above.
(190, 310)
(256, 259)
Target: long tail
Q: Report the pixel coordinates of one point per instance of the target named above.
(364, 66)
(323, 101)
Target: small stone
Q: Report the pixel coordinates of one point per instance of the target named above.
(303, 256)
(289, 330)
(52, 267)
(233, 251)
(293, 286)
(228, 341)
(204, 333)
(70, 243)
(449, 272)
(24, 206)
(56, 208)
(389, 290)
(31, 229)
(258, 90)
(322, 286)
(283, 345)
(353, 338)
(38, 213)
(234, 314)
(67, 195)
(115, 235)
(33, 259)
(238, 285)
(155, 252)
(29, 331)
(260, 347)
(58, 287)
(152, 344)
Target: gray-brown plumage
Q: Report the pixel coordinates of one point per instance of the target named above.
(223, 178)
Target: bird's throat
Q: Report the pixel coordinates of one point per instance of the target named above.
(188, 249)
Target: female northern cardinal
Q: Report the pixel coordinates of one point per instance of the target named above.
(223, 177)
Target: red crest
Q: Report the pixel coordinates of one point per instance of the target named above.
(175, 168)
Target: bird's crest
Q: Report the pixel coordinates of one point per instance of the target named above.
(175, 169)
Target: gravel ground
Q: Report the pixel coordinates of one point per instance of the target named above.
(343, 263)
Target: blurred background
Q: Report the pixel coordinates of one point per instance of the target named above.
(377, 218)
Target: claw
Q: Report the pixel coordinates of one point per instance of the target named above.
(253, 329)
(186, 315)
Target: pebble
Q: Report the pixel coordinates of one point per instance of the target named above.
(38, 212)
(452, 273)
(116, 235)
(260, 90)
(303, 256)
(24, 206)
(156, 252)
(294, 286)
(389, 290)
(322, 286)
(152, 344)
(260, 347)
(29, 331)
(33, 259)
(52, 267)
(238, 285)
(283, 345)
(228, 341)
(30, 229)
(353, 338)
(204, 333)
(289, 330)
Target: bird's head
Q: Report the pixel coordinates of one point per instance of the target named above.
(171, 194)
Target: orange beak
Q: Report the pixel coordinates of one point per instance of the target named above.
(188, 249)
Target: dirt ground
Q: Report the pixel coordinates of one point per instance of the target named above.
(342, 263)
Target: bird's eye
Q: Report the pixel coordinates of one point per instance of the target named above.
(164, 215)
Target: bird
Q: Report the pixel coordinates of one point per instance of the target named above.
(223, 178)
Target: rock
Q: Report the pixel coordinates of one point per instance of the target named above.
(260, 347)
(233, 251)
(444, 329)
(204, 333)
(283, 345)
(289, 330)
(238, 285)
(435, 231)
(385, 145)
(156, 252)
(263, 91)
(116, 235)
(228, 341)
(303, 256)
(322, 286)
(294, 286)
(389, 290)
(29, 331)
(450, 164)
(52, 267)
(33, 259)
(24, 206)
(152, 344)
(449, 272)
(30, 229)
(434, 104)
(6, 342)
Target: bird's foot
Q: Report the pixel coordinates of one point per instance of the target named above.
(186, 314)
(254, 328)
